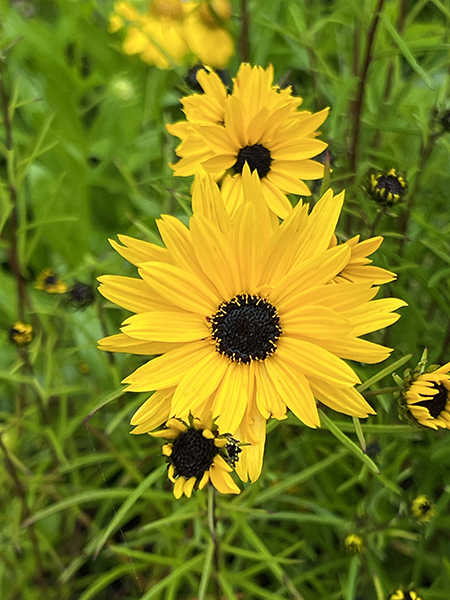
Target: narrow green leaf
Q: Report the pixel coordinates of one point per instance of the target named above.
(405, 50)
(126, 506)
(206, 573)
(347, 442)
(176, 574)
(384, 372)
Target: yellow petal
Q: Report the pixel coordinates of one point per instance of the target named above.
(165, 326)
(222, 481)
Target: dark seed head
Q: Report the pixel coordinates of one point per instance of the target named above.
(257, 157)
(246, 328)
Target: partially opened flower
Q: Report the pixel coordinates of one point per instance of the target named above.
(401, 594)
(354, 544)
(197, 453)
(241, 310)
(48, 281)
(389, 188)
(426, 397)
(423, 509)
(261, 127)
(21, 333)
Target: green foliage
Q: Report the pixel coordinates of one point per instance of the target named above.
(86, 511)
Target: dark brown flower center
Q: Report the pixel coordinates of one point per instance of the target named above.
(438, 402)
(246, 328)
(257, 157)
(192, 453)
(390, 184)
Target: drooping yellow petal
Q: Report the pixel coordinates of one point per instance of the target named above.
(123, 343)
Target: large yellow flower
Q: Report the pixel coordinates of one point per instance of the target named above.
(245, 317)
(260, 125)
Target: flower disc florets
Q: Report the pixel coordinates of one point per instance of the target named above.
(257, 156)
(246, 328)
(388, 189)
(192, 453)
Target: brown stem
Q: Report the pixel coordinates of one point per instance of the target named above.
(20, 493)
(358, 103)
(14, 260)
(244, 42)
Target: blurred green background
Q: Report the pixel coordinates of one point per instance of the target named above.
(90, 160)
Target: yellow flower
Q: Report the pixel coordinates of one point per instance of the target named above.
(423, 509)
(405, 595)
(359, 268)
(156, 36)
(197, 453)
(261, 126)
(21, 333)
(204, 32)
(427, 398)
(49, 282)
(354, 544)
(241, 310)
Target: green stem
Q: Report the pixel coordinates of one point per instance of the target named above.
(212, 524)
(381, 391)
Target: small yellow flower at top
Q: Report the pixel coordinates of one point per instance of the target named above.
(423, 509)
(354, 544)
(21, 333)
(405, 595)
(49, 282)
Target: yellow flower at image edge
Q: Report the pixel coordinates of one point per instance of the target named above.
(245, 317)
(197, 454)
(257, 124)
(405, 595)
(427, 398)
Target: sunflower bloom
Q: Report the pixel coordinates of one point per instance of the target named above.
(354, 544)
(244, 318)
(262, 127)
(21, 333)
(427, 398)
(196, 454)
